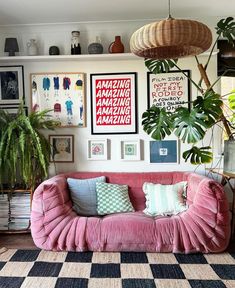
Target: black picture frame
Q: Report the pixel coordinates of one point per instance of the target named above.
(114, 103)
(168, 89)
(12, 90)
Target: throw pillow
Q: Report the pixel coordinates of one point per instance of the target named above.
(112, 198)
(165, 199)
(83, 195)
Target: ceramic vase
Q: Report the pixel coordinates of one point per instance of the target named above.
(75, 43)
(96, 47)
(116, 46)
(32, 47)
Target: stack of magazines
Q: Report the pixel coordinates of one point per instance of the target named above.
(4, 211)
(19, 211)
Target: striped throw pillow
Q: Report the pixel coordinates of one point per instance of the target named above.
(165, 199)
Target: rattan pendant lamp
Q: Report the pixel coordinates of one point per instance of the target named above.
(171, 38)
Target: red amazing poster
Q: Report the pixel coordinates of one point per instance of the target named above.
(114, 102)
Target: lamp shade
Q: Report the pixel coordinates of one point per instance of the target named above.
(11, 46)
(170, 39)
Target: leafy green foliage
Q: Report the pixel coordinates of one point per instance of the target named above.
(226, 29)
(198, 155)
(160, 66)
(24, 150)
(189, 126)
(157, 122)
(231, 100)
(211, 105)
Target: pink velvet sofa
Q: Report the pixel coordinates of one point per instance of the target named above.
(204, 227)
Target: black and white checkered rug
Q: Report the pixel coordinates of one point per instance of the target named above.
(46, 269)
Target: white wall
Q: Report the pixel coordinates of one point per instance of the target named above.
(60, 35)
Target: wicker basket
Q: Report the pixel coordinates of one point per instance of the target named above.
(170, 39)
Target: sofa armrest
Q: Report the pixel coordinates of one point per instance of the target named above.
(206, 223)
(53, 221)
(52, 194)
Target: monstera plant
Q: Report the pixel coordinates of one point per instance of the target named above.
(190, 126)
(24, 150)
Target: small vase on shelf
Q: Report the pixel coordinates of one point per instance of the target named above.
(116, 46)
(32, 47)
(96, 47)
(75, 43)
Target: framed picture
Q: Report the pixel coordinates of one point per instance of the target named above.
(62, 148)
(12, 110)
(11, 84)
(63, 93)
(164, 151)
(130, 150)
(113, 103)
(97, 149)
(170, 90)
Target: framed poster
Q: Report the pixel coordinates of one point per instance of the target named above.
(164, 151)
(63, 94)
(113, 103)
(62, 148)
(97, 149)
(11, 84)
(13, 110)
(170, 90)
(130, 150)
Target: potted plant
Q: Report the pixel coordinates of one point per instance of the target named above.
(191, 125)
(24, 150)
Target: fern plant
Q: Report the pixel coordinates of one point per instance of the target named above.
(24, 150)
(190, 126)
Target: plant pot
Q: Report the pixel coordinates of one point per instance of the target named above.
(229, 156)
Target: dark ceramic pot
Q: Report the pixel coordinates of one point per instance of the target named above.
(54, 50)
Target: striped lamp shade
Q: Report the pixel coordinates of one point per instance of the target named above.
(170, 39)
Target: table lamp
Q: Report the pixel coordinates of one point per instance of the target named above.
(11, 46)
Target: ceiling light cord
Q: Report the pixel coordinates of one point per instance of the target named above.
(169, 10)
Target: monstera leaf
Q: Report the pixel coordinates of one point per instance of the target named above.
(160, 66)
(226, 29)
(210, 105)
(231, 100)
(157, 122)
(189, 126)
(198, 155)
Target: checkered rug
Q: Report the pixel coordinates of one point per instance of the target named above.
(44, 269)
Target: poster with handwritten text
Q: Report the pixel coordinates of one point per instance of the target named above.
(170, 90)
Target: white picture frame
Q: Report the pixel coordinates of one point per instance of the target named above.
(130, 150)
(97, 149)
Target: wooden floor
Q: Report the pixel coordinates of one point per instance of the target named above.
(25, 241)
(17, 241)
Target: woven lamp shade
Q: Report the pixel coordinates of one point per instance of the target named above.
(171, 39)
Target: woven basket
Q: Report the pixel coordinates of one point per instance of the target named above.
(170, 39)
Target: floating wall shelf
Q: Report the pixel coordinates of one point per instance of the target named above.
(83, 57)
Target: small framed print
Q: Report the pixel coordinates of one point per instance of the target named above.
(62, 148)
(97, 149)
(11, 84)
(164, 151)
(130, 150)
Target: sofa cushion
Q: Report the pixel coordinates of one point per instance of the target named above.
(112, 198)
(165, 199)
(83, 194)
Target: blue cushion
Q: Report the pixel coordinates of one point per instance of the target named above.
(83, 195)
